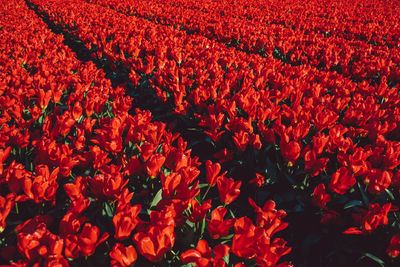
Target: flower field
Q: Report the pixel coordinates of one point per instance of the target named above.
(199, 133)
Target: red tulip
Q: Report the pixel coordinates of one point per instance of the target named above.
(153, 243)
(199, 211)
(253, 242)
(125, 221)
(6, 205)
(71, 223)
(76, 190)
(202, 255)
(77, 111)
(170, 184)
(228, 189)
(123, 256)
(89, 239)
(269, 218)
(374, 217)
(258, 181)
(320, 197)
(108, 185)
(341, 181)
(217, 227)
(241, 139)
(213, 170)
(290, 151)
(394, 247)
(39, 243)
(3, 156)
(154, 164)
(44, 185)
(378, 180)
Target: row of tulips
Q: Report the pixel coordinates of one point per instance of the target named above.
(360, 20)
(356, 59)
(345, 116)
(342, 134)
(85, 180)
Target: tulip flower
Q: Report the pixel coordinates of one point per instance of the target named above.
(228, 189)
(123, 256)
(202, 255)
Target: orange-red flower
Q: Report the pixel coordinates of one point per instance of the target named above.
(228, 189)
(154, 164)
(108, 185)
(371, 219)
(269, 218)
(241, 139)
(39, 243)
(290, 150)
(378, 180)
(320, 197)
(170, 183)
(258, 180)
(6, 205)
(76, 190)
(341, 181)
(212, 172)
(123, 256)
(158, 237)
(44, 185)
(393, 249)
(199, 211)
(202, 255)
(253, 242)
(125, 221)
(153, 243)
(217, 227)
(89, 239)
(4, 153)
(15, 175)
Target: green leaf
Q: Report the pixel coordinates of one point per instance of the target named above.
(156, 199)
(200, 186)
(203, 226)
(390, 194)
(353, 203)
(232, 214)
(226, 259)
(108, 210)
(374, 258)
(191, 224)
(364, 196)
(228, 237)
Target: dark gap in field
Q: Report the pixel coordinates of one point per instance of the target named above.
(144, 96)
(74, 43)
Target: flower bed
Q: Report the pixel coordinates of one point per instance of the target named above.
(87, 177)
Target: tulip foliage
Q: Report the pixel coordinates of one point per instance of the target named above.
(199, 133)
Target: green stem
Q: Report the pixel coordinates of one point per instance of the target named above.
(208, 189)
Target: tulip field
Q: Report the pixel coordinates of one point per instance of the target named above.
(200, 133)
